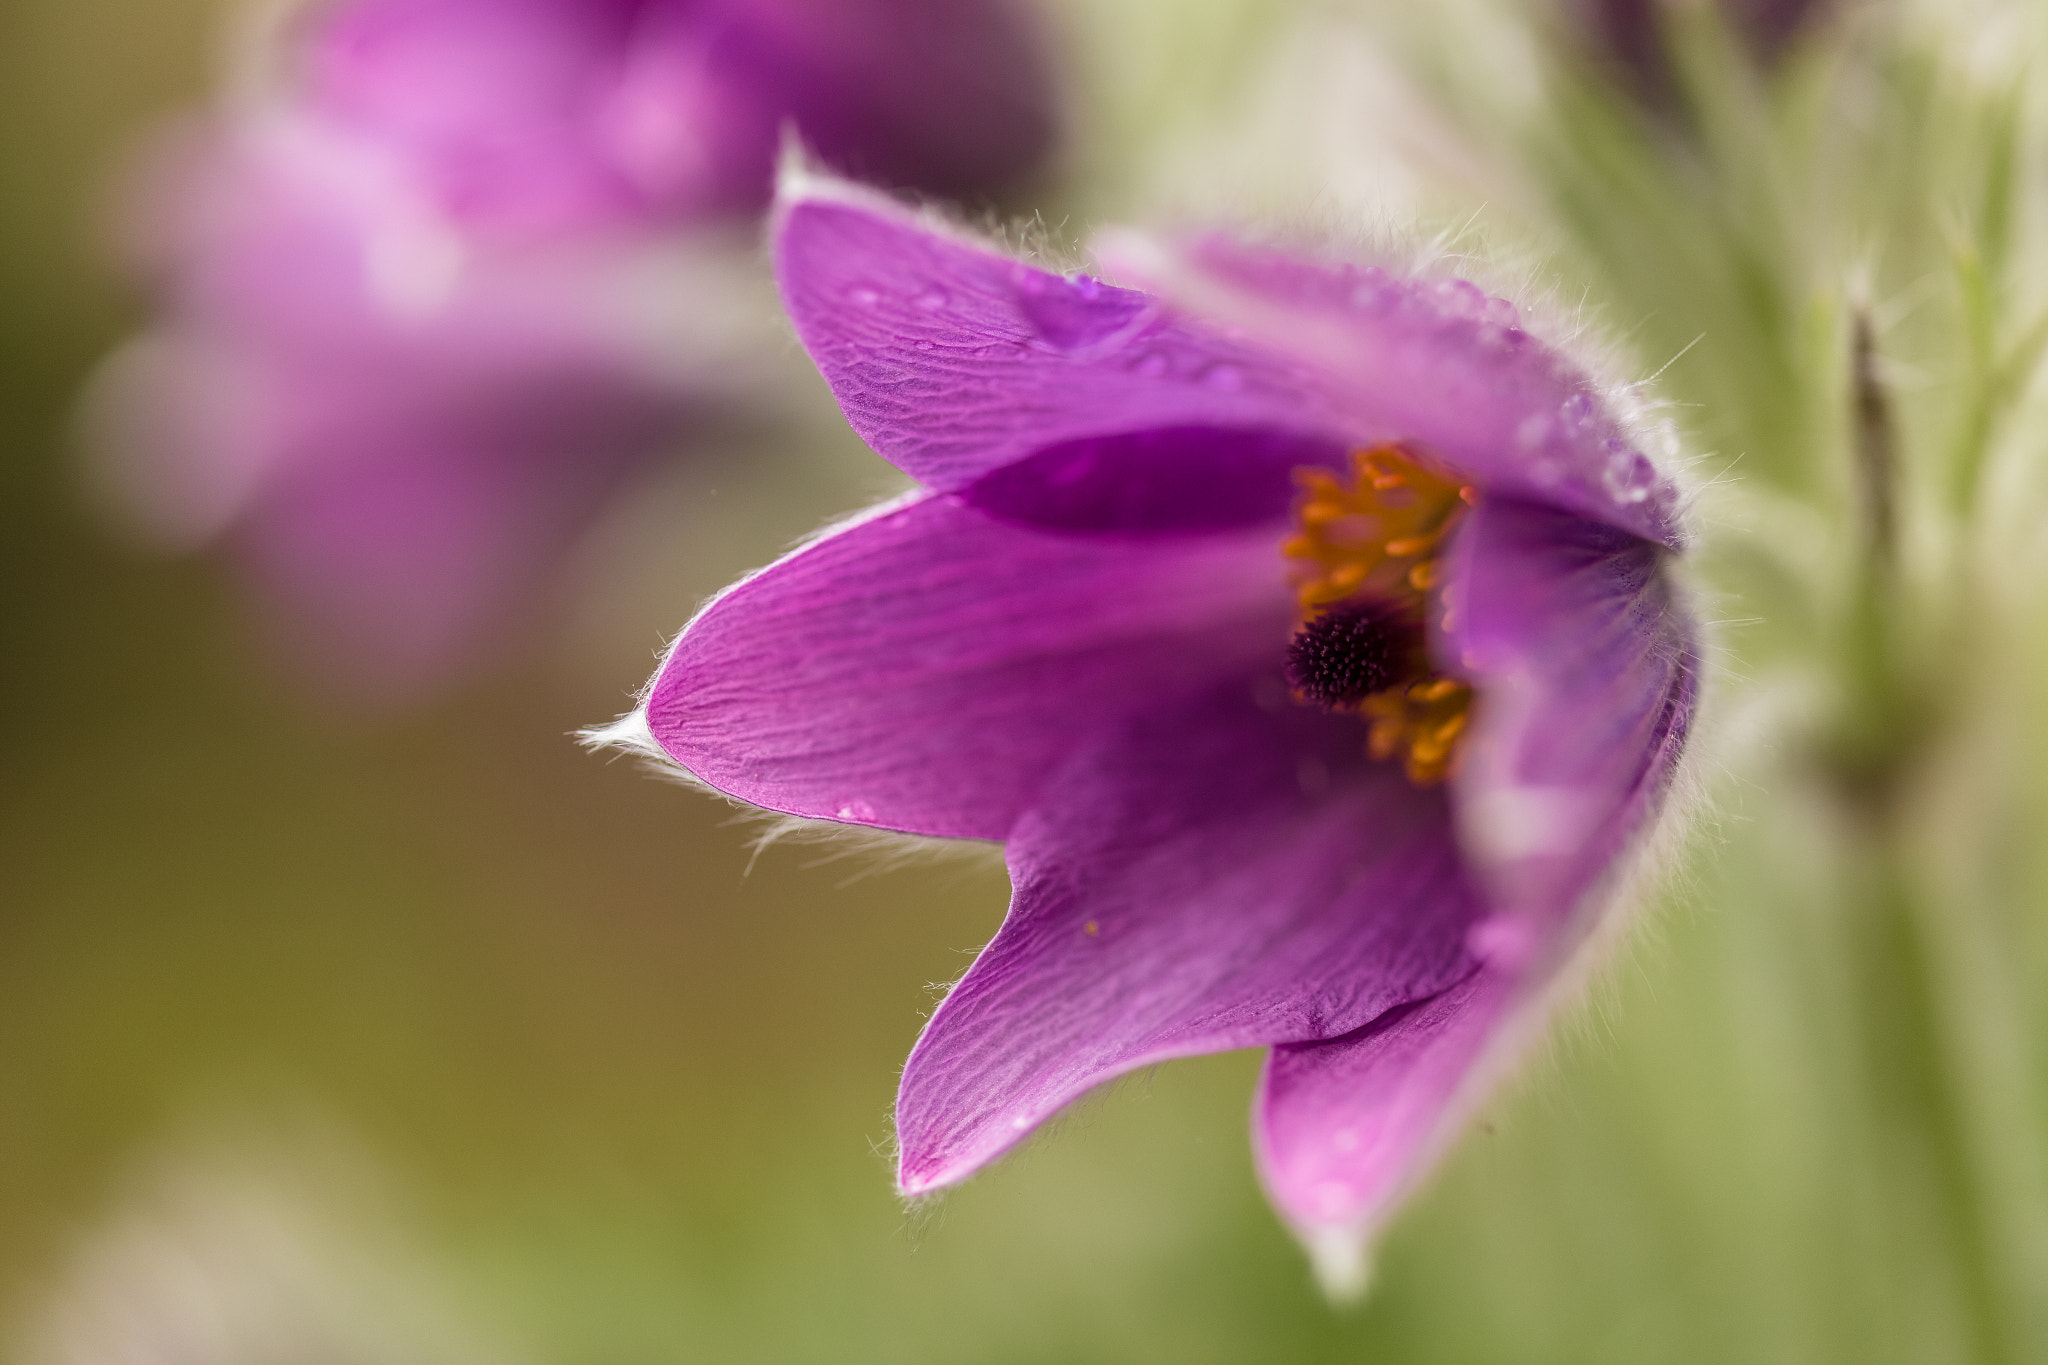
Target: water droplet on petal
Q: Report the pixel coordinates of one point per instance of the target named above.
(1223, 377)
(1577, 411)
(1501, 313)
(1502, 941)
(856, 810)
(1628, 476)
(866, 295)
(932, 298)
(1374, 292)
(1072, 313)
(1461, 298)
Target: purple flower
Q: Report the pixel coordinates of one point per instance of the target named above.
(1303, 630)
(461, 266)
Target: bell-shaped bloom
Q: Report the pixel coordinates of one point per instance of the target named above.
(446, 271)
(1305, 631)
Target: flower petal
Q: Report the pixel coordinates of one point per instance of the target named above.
(1341, 1128)
(1435, 363)
(1588, 666)
(952, 359)
(1157, 480)
(545, 115)
(925, 669)
(1228, 872)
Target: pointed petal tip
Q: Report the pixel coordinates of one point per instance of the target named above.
(799, 175)
(630, 733)
(1340, 1257)
(921, 1172)
(917, 1179)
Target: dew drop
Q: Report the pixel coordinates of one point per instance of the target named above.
(1577, 411)
(932, 299)
(866, 295)
(1461, 298)
(856, 810)
(1076, 312)
(1502, 941)
(1225, 378)
(1628, 476)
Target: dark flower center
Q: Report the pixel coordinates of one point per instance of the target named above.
(1348, 653)
(1367, 557)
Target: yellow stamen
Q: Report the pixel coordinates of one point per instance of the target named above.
(1380, 534)
(1420, 723)
(1375, 532)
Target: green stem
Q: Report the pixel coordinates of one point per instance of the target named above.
(1898, 985)
(1919, 1095)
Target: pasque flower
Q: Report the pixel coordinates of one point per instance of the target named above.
(1304, 630)
(443, 271)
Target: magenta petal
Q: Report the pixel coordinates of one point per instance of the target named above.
(545, 115)
(1435, 363)
(925, 669)
(1229, 872)
(1588, 667)
(953, 360)
(1342, 1128)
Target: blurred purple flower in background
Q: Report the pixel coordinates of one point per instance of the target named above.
(452, 269)
(1201, 591)
(1633, 34)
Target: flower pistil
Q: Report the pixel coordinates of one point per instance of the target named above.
(1367, 555)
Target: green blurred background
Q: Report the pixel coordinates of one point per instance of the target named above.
(332, 1038)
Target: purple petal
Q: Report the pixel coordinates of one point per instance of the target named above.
(540, 115)
(1342, 1128)
(951, 97)
(488, 99)
(1228, 872)
(1588, 669)
(925, 670)
(953, 360)
(1170, 480)
(1438, 364)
